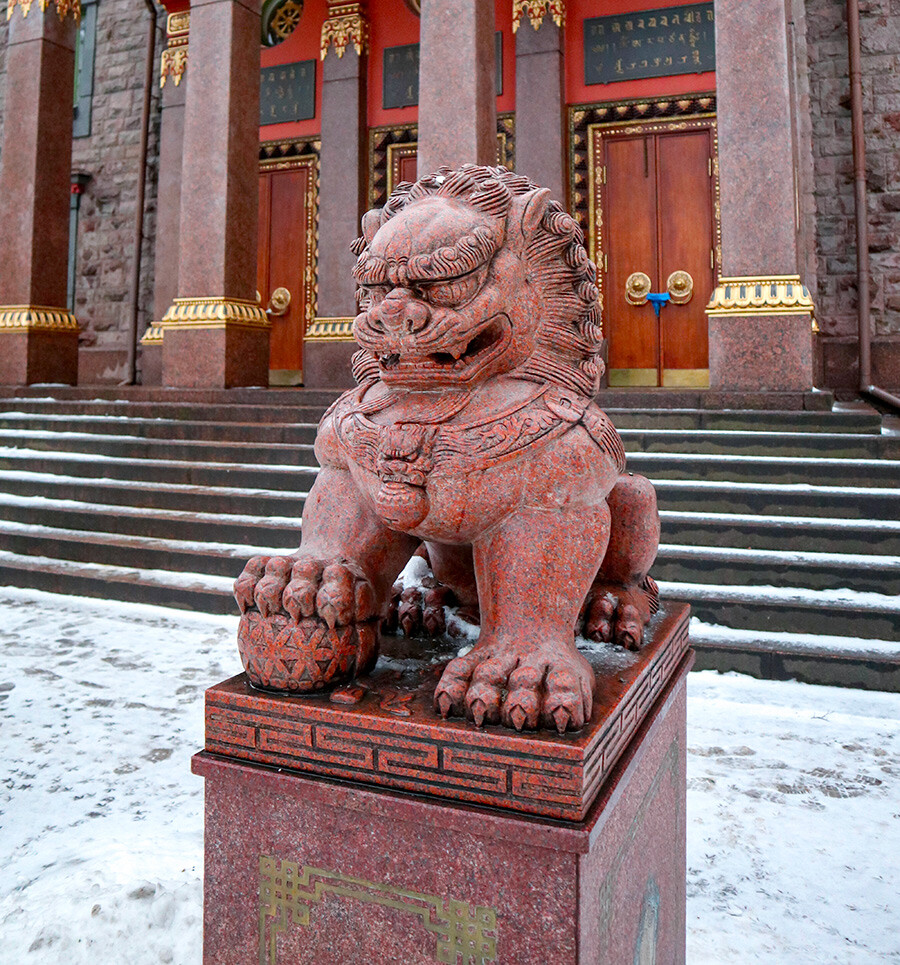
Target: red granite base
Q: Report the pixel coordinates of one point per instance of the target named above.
(307, 870)
(384, 730)
(219, 358)
(35, 356)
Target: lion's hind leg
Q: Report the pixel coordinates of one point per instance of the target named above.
(624, 596)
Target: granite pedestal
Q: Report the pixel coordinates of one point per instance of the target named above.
(346, 829)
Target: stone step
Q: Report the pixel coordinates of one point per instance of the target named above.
(131, 447)
(807, 533)
(114, 549)
(174, 411)
(778, 499)
(158, 524)
(857, 419)
(767, 469)
(28, 425)
(162, 395)
(790, 610)
(813, 570)
(828, 445)
(184, 591)
(868, 664)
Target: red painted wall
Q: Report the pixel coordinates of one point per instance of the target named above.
(576, 90)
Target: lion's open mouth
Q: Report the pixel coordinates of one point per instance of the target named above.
(484, 344)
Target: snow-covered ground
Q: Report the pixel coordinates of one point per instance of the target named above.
(793, 798)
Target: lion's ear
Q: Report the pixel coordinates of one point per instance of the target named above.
(527, 210)
(371, 222)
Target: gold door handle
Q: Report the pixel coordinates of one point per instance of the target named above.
(637, 288)
(680, 287)
(279, 302)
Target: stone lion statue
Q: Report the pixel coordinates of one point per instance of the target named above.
(472, 431)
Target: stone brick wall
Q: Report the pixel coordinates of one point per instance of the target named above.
(833, 191)
(110, 155)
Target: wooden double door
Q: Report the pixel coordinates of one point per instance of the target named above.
(655, 243)
(286, 262)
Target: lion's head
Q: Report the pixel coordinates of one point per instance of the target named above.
(471, 273)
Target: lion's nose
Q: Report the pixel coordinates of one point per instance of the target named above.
(403, 314)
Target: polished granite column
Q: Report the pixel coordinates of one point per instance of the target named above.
(457, 98)
(760, 331)
(38, 335)
(215, 333)
(540, 103)
(174, 81)
(329, 345)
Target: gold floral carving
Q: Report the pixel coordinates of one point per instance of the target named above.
(764, 295)
(346, 24)
(288, 893)
(214, 313)
(63, 7)
(330, 330)
(173, 61)
(536, 10)
(31, 318)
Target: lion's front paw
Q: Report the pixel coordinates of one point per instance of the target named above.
(306, 624)
(419, 610)
(522, 686)
(618, 614)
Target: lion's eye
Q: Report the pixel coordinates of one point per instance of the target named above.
(369, 295)
(456, 291)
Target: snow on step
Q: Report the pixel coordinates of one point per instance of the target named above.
(778, 557)
(796, 522)
(767, 641)
(201, 582)
(842, 599)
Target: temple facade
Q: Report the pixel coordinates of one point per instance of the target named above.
(223, 152)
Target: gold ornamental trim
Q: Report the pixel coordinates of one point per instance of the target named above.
(346, 24)
(536, 10)
(173, 60)
(63, 8)
(34, 318)
(153, 335)
(289, 893)
(214, 312)
(330, 330)
(764, 295)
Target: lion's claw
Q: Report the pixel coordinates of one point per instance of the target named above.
(521, 687)
(618, 614)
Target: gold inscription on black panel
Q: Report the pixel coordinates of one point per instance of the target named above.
(287, 92)
(652, 43)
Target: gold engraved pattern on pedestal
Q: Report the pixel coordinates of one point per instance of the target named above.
(153, 335)
(288, 893)
(173, 61)
(536, 10)
(63, 8)
(214, 313)
(330, 330)
(344, 25)
(34, 318)
(764, 295)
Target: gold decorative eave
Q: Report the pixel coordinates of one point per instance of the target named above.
(537, 10)
(214, 312)
(153, 335)
(35, 318)
(762, 295)
(346, 23)
(330, 330)
(63, 7)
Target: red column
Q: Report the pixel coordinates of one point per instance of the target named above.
(215, 333)
(457, 99)
(39, 335)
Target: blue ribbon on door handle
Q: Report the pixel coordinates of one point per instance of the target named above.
(657, 300)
